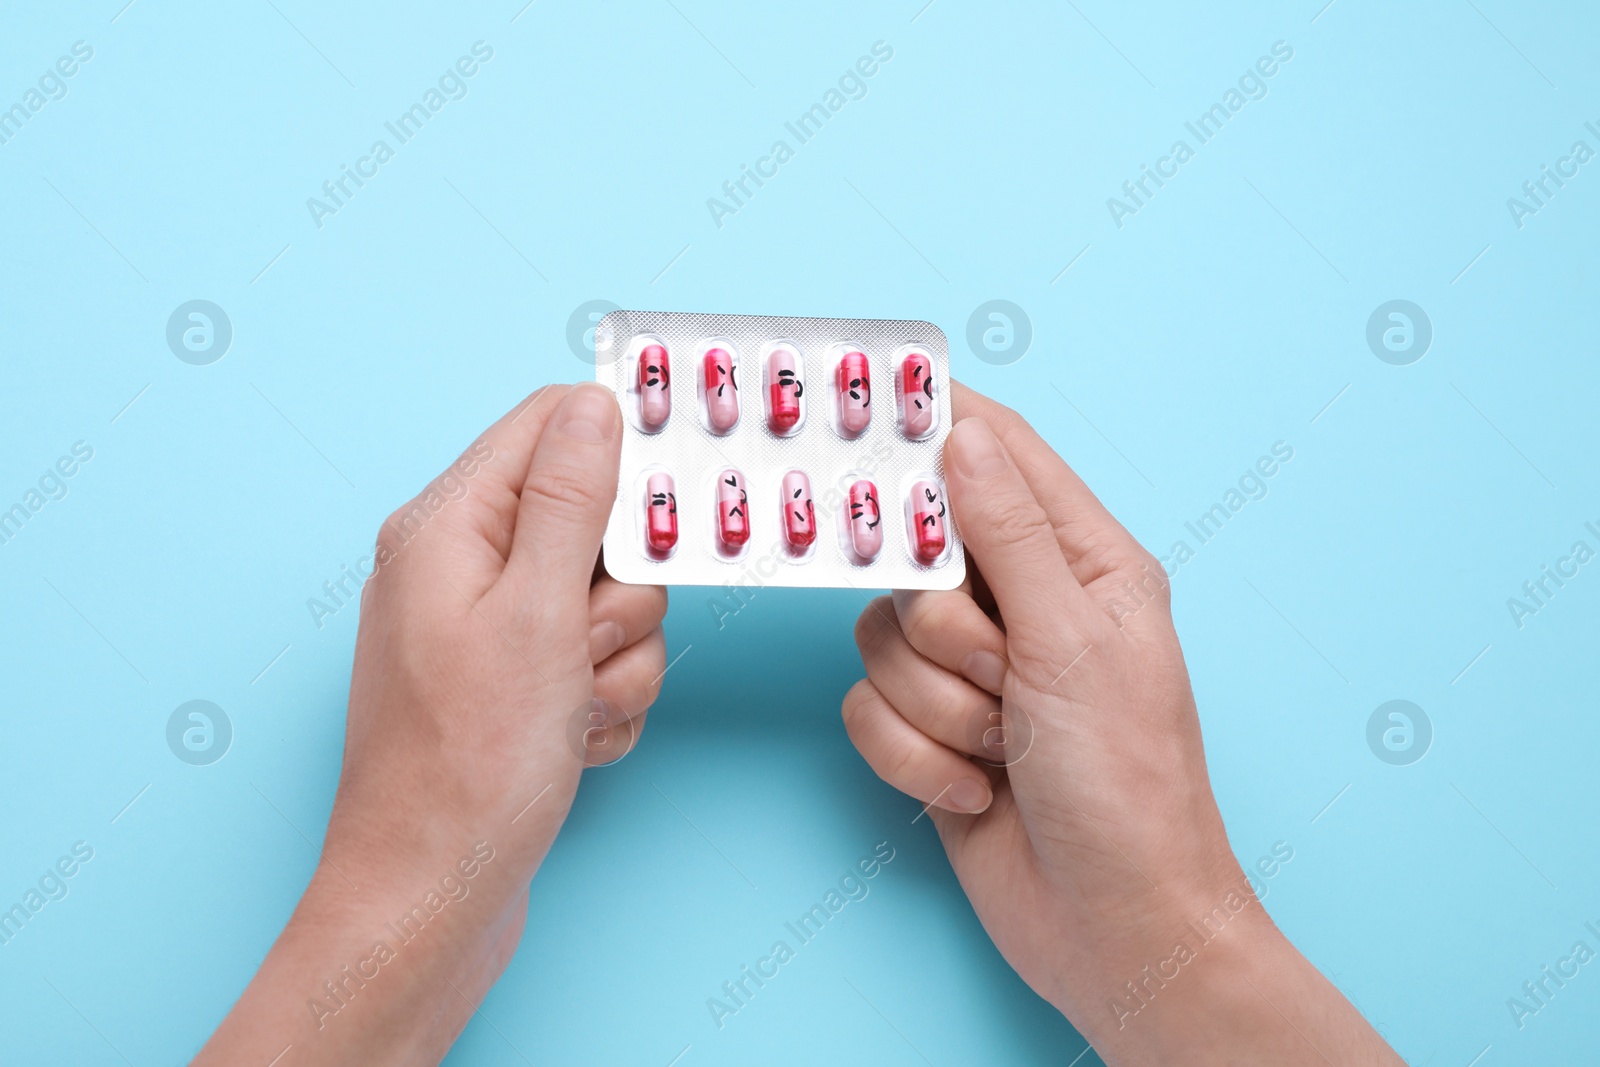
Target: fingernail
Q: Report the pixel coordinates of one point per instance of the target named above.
(969, 796)
(588, 413)
(975, 450)
(604, 639)
(985, 670)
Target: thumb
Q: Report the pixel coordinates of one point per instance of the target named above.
(566, 498)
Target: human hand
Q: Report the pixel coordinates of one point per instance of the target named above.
(487, 629)
(1045, 715)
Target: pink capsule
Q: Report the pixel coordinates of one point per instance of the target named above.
(783, 391)
(661, 513)
(916, 395)
(855, 393)
(733, 509)
(866, 518)
(655, 387)
(927, 520)
(799, 513)
(722, 392)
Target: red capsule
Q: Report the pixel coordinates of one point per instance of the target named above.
(783, 391)
(722, 391)
(655, 387)
(866, 520)
(916, 395)
(733, 509)
(855, 392)
(927, 520)
(799, 512)
(661, 513)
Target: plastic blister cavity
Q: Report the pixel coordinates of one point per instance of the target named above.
(779, 491)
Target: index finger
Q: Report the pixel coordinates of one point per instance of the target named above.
(1007, 529)
(1094, 542)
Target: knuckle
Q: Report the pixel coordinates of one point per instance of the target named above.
(566, 488)
(854, 706)
(1012, 520)
(926, 614)
(898, 763)
(656, 609)
(873, 630)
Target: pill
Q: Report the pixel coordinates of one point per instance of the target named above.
(866, 517)
(733, 509)
(722, 392)
(927, 519)
(916, 395)
(799, 513)
(661, 513)
(655, 387)
(855, 393)
(783, 391)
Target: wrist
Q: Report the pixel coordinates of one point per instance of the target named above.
(1172, 962)
(377, 970)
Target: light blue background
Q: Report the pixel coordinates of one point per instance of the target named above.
(1223, 317)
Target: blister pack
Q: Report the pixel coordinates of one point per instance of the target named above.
(780, 451)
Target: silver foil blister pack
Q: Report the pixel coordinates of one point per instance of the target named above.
(778, 450)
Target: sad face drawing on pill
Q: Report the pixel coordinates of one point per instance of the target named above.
(864, 508)
(661, 513)
(799, 511)
(927, 515)
(722, 390)
(655, 387)
(733, 510)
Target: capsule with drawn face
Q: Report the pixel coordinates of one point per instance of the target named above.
(799, 511)
(655, 387)
(854, 386)
(926, 511)
(916, 395)
(733, 510)
(661, 513)
(866, 521)
(783, 391)
(722, 391)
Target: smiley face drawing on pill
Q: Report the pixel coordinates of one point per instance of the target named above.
(855, 393)
(927, 520)
(866, 518)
